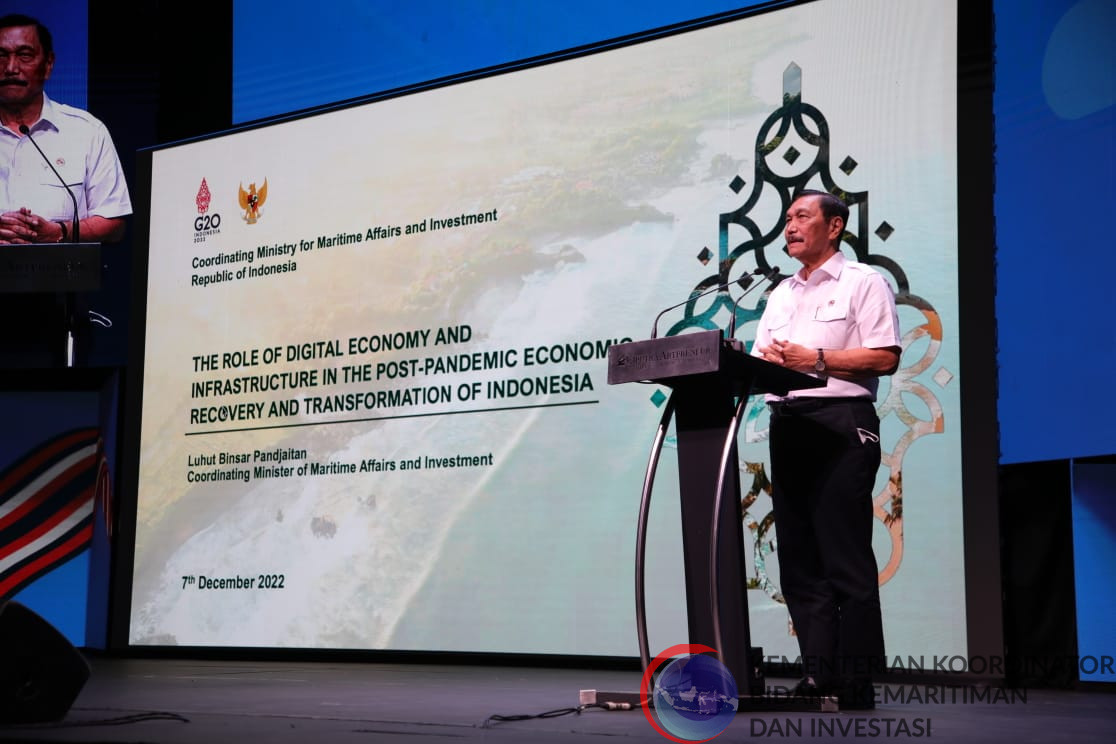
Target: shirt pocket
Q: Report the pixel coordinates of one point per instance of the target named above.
(831, 324)
(779, 328)
(56, 202)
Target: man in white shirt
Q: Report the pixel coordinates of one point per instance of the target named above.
(835, 319)
(60, 181)
(35, 206)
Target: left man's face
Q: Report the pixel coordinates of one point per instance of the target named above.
(808, 233)
(25, 68)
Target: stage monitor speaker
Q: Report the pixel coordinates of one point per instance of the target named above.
(41, 673)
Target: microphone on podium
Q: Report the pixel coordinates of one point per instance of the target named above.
(71, 323)
(24, 130)
(744, 281)
(767, 277)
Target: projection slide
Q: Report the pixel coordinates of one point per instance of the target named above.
(375, 411)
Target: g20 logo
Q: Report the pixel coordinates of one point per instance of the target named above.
(207, 222)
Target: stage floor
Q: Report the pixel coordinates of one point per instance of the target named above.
(172, 701)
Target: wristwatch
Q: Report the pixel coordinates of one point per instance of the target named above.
(819, 366)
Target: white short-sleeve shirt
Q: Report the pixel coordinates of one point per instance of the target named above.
(843, 305)
(79, 147)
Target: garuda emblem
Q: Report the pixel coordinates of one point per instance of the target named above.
(251, 201)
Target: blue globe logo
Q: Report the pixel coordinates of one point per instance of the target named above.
(695, 697)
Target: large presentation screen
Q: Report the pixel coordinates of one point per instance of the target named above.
(375, 410)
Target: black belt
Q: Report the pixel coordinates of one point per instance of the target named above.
(813, 403)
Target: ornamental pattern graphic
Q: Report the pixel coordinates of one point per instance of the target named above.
(791, 153)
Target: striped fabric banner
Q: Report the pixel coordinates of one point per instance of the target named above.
(46, 506)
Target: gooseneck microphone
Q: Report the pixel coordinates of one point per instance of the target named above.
(24, 130)
(767, 277)
(71, 323)
(743, 281)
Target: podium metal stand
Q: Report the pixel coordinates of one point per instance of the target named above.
(711, 379)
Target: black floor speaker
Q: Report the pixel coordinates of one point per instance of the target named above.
(41, 673)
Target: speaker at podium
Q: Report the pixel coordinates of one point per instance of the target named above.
(711, 379)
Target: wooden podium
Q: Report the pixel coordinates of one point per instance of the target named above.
(711, 379)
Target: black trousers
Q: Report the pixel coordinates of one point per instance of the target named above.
(824, 458)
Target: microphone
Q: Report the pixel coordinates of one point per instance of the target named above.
(24, 130)
(769, 277)
(69, 301)
(718, 288)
